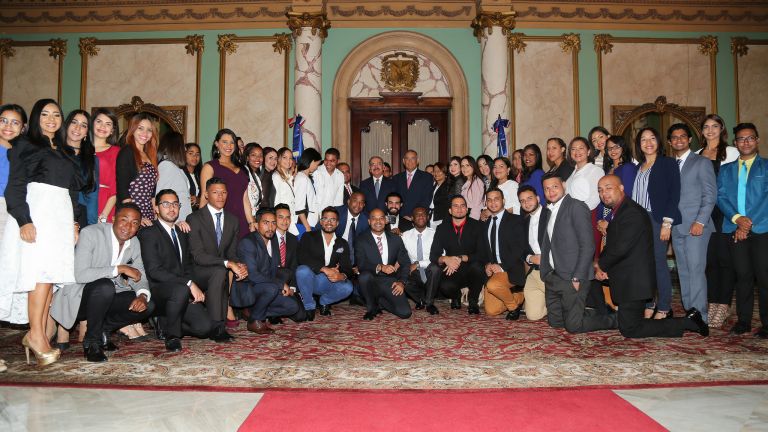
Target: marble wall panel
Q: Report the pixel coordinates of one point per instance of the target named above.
(432, 82)
(161, 74)
(638, 73)
(29, 75)
(254, 93)
(753, 91)
(543, 102)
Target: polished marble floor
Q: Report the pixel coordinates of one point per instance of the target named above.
(716, 409)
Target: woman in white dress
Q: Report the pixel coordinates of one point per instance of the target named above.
(282, 182)
(37, 249)
(582, 184)
(307, 203)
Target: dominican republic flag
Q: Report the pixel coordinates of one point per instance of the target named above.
(297, 123)
(501, 136)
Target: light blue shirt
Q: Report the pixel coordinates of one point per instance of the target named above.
(5, 167)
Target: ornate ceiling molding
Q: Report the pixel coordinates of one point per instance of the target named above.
(486, 21)
(57, 48)
(318, 22)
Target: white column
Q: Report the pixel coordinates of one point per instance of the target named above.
(495, 97)
(307, 86)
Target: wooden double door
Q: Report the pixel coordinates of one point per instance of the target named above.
(390, 126)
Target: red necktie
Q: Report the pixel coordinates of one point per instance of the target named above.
(282, 251)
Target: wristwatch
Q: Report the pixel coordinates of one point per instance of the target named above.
(575, 280)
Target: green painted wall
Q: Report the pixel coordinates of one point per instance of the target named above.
(341, 41)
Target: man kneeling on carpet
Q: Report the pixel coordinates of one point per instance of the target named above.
(111, 291)
(263, 292)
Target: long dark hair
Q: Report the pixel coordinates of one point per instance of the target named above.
(494, 180)
(35, 134)
(307, 157)
(172, 149)
(659, 144)
(237, 158)
(199, 167)
(536, 166)
(87, 154)
(626, 153)
(723, 143)
(113, 138)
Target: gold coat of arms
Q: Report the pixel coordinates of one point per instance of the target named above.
(400, 71)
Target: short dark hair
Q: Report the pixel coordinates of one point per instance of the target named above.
(393, 194)
(282, 206)
(679, 126)
(741, 126)
(526, 188)
(330, 209)
(333, 151)
(214, 181)
(165, 192)
(455, 196)
(128, 205)
(551, 175)
(494, 189)
(263, 211)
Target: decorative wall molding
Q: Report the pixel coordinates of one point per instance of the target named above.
(623, 115)
(318, 22)
(740, 48)
(57, 49)
(486, 21)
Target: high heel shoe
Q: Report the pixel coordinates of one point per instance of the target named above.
(43, 358)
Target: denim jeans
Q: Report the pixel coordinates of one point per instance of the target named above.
(310, 284)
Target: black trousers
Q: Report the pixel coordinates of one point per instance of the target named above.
(377, 291)
(214, 281)
(750, 260)
(721, 276)
(106, 311)
(415, 288)
(566, 307)
(471, 275)
(270, 302)
(632, 323)
(287, 275)
(177, 316)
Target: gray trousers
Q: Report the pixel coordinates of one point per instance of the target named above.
(691, 258)
(566, 307)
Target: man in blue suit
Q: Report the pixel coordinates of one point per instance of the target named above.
(413, 184)
(376, 187)
(742, 189)
(690, 238)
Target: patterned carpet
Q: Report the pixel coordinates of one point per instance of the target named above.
(449, 351)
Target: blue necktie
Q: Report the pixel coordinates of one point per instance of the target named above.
(218, 229)
(420, 257)
(741, 199)
(175, 243)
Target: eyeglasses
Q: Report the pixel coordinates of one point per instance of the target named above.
(168, 204)
(678, 138)
(326, 219)
(748, 139)
(6, 121)
(612, 148)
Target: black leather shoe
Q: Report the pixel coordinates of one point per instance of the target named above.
(473, 310)
(275, 320)
(220, 335)
(106, 343)
(420, 305)
(694, 315)
(173, 344)
(456, 304)
(762, 333)
(356, 300)
(311, 315)
(159, 332)
(369, 316)
(740, 328)
(514, 315)
(432, 310)
(324, 310)
(94, 353)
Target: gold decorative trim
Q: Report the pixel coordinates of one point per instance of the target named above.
(568, 44)
(488, 20)
(707, 45)
(58, 48)
(282, 43)
(6, 48)
(279, 39)
(193, 45)
(400, 71)
(623, 115)
(740, 48)
(317, 22)
(410, 10)
(226, 43)
(175, 116)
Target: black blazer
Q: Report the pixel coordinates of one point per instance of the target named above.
(418, 195)
(442, 201)
(125, 172)
(202, 238)
(628, 254)
(367, 255)
(371, 202)
(664, 190)
(312, 253)
(347, 194)
(512, 234)
(160, 261)
(471, 243)
(267, 189)
(291, 250)
(361, 224)
(193, 191)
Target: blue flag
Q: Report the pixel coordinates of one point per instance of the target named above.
(501, 136)
(297, 124)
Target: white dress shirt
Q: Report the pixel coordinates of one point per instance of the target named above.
(329, 187)
(345, 235)
(533, 231)
(168, 229)
(498, 217)
(582, 184)
(213, 215)
(117, 258)
(682, 158)
(553, 210)
(328, 248)
(411, 239)
(385, 251)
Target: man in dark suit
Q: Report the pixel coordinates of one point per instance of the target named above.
(627, 262)
(353, 221)
(396, 223)
(505, 239)
(382, 283)
(376, 187)
(567, 250)
(180, 308)
(262, 292)
(413, 184)
(349, 188)
(324, 266)
(457, 259)
(213, 243)
(287, 246)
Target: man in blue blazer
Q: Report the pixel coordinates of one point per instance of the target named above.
(413, 184)
(690, 238)
(742, 195)
(376, 187)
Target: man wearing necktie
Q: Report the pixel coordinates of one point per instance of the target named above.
(418, 242)
(742, 192)
(413, 184)
(506, 240)
(180, 303)
(376, 187)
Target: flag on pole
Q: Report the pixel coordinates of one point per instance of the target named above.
(501, 136)
(297, 123)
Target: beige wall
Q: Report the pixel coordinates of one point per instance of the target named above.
(254, 93)
(753, 91)
(161, 74)
(544, 97)
(30, 61)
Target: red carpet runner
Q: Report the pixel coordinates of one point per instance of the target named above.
(570, 410)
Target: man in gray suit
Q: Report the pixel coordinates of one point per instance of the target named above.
(567, 250)
(698, 195)
(111, 290)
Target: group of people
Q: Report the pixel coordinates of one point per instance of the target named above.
(113, 230)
